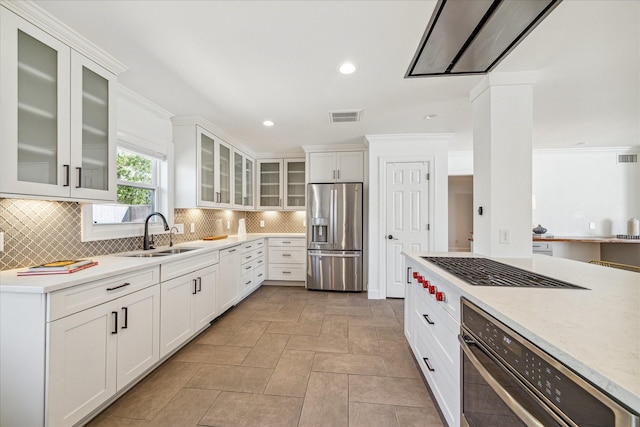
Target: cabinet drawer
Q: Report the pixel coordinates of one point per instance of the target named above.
(451, 301)
(248, 257)
(249, 246)
(259, 243)
(77, 298)
(287, 272)
(287, 255)
(280, 241)
(247, 281)
(439, 328)
(259, 274)
(246, 268)
(259, 262)
(188, 264)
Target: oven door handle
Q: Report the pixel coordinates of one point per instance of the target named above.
(507, 398)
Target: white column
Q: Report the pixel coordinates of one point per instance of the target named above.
(502, 144)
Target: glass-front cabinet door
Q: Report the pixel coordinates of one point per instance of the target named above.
(58, 117)
(206, 169)
(238, 180)
(295, 188)
(270, 184)
(93, 129)
(249, 174)
(224, 176)
(35, 108)
(242, 181)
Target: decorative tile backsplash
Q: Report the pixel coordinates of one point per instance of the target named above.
(38, 231)
(276, 222)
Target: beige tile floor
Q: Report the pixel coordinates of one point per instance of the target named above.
(286, 356)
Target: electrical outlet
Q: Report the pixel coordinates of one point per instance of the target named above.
(193, 227)
(592, 226)
(180, 228)
(228, 225)
(1, 241)
(304, 222)
(262, 223)
(504, 237)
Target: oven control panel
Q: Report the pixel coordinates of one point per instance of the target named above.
(536, 368)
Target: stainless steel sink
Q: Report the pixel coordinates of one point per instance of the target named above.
(176, 251)
(146, 255)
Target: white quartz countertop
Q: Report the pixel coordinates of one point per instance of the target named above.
(113, 264)
(595, 332)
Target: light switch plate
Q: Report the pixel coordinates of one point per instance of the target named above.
(592, 226)
(180, 228)
(262, 223)
(193, 228)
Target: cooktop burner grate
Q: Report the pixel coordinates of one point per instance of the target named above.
(486, 272)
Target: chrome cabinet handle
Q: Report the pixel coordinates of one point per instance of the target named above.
(195, 286)
(199, 284)
(408, 274)
(79, 177)
(126, 317)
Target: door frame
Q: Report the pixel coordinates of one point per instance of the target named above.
(382, 208)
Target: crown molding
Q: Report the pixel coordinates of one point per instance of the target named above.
(333, 148)
(58, 29)
(214, 129)
(135, 98)
(586, 150)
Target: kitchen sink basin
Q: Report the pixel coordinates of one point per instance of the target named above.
(146, 255)
(176, 251)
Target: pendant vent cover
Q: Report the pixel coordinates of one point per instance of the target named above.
(627, 158)
(345, 116)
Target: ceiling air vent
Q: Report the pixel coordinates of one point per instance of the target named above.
(627, 158)
(345, 116)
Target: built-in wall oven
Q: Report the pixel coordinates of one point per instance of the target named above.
(508, 381)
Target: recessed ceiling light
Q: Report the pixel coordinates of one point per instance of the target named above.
(348, 68)
(431, 116)
(268, 123)
(581, 143)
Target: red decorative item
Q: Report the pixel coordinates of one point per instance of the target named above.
(432, 289)
(439, 296)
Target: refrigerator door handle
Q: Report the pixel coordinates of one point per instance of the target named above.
(334, 255)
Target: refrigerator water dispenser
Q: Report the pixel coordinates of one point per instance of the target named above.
(319, 230)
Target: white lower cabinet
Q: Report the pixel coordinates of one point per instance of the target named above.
(431, 328)
(228, 292)
(287, 258)
(188, 300)
(252, 267)
(95, 352)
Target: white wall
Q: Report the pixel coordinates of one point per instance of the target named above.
(573, 187)
(576, 186)
(406, 148)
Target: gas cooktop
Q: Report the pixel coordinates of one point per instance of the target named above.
(486, 272)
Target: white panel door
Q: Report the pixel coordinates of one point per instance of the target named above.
(407, 225)
(204, 305)
(82, 363)
(138, 334)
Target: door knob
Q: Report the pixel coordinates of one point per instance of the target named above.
(390, 237)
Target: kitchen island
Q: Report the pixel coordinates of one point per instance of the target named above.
(593, 331)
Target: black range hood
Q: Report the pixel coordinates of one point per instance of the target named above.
(473, 36)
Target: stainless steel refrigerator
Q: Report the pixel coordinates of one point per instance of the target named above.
(334, 237)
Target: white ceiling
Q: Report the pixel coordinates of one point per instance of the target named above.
(238, 63)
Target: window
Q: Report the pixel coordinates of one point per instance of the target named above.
(137, 176)
(142, 186)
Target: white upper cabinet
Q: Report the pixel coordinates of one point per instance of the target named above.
(58, 114)
(281, 184)
(243, 177)
(341, 166)
(203, 168)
